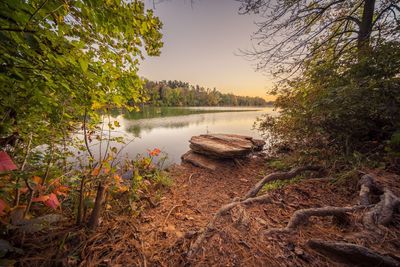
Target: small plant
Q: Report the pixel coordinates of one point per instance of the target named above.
(278, 164)
(281, 183)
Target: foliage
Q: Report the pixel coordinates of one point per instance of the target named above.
(63, 65)
(346, 105)
(177, 93)
(61, 60)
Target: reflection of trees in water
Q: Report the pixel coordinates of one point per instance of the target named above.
(162, 112)
(143, 122)
(137, 129)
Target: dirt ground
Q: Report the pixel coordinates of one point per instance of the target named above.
(162, 235)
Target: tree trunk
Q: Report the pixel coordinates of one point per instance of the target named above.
(79, 216)
(366, 26)
(98, 205)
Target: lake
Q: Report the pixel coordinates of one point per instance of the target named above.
(170, 128)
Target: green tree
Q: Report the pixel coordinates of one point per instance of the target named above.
(63, 60)
(345, 91)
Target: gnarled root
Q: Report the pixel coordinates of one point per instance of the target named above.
(279, 176)
(367, 187)
(301, 217)
(382, 213)
(351, 254)
(250, 198)
(209, 229)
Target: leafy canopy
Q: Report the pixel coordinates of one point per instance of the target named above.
(60, 58)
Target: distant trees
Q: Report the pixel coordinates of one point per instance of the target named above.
(178, 93)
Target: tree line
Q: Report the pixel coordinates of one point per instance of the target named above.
(178, 93)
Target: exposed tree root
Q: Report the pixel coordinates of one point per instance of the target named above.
(382, 213)
(351, 254)
(250, 198)
(209, 229)
(301, 217)
(279, 176)
(367, 187)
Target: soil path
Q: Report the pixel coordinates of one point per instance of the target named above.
(195, 197)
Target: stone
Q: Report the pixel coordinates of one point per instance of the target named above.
(202, 161)
(225, 146)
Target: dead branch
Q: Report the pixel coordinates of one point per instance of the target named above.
(351, 254)
(169, 213)
(382, 213)
(279, 176)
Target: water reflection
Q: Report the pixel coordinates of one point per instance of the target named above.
(170, 129)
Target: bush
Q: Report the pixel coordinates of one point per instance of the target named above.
(347, 105)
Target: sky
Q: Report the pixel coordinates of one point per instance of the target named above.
(201, 46)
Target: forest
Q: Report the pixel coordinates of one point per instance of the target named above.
(178, 93)
(322, 187)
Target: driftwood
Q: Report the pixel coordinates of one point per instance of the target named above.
(351, 254)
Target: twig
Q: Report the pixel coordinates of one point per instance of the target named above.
(23, 165)
(169, 213)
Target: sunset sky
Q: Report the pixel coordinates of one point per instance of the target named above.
(201, 43)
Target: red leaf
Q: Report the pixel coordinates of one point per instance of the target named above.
(41, 198)
(3, 206)
(52, 202)
(155, 152)
(6, 163)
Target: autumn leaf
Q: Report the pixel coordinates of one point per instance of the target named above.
(52, 201)
(24, 190)
(117, 178)
(37, 180)
(6, 163)
(95, 172)
(61, 190)
(155, 152)
(43, 198)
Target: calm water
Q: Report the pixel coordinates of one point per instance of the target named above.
(170, 129)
